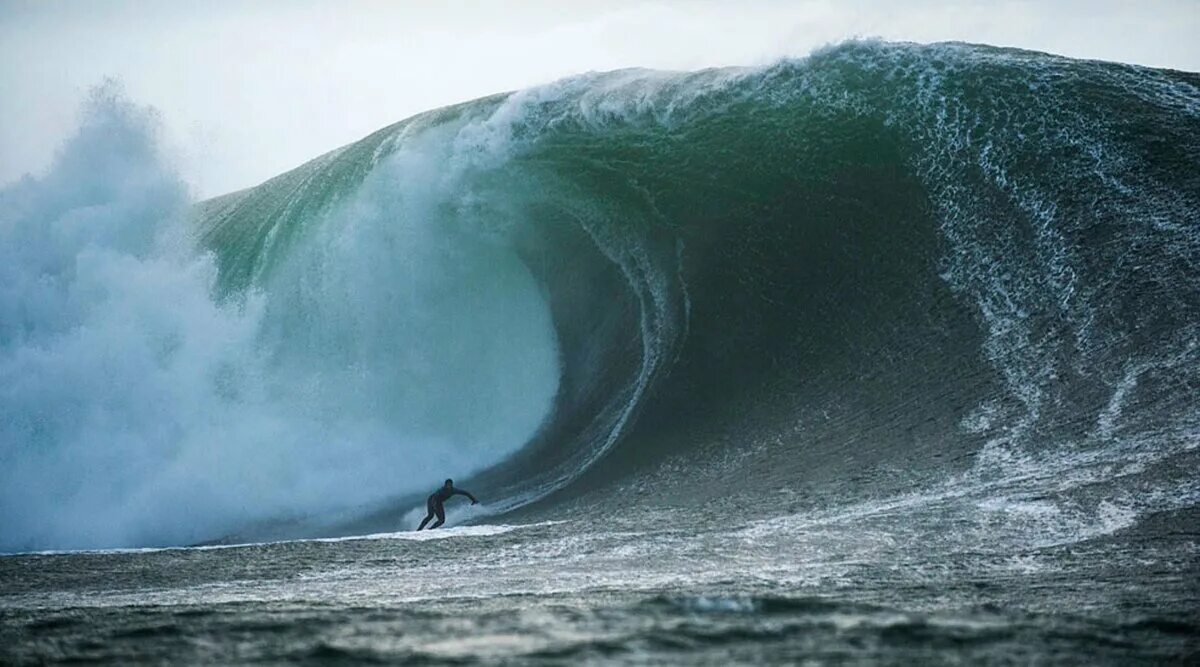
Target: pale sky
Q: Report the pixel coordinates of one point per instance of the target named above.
(247, 90)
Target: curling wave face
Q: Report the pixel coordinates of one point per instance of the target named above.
(878, 264)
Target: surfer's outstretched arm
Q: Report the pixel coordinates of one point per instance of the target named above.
(467, 494)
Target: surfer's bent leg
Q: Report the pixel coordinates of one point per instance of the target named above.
(441, 515)
(430, 508)
(424, 521)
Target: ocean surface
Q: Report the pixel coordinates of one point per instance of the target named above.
(885, 355)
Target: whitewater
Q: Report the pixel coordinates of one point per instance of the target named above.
(884, 354)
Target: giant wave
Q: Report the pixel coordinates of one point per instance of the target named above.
(875, 267)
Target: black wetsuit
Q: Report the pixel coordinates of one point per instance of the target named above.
(435, 502)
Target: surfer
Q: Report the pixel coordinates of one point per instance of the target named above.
(436, 500)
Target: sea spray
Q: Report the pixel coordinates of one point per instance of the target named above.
(140, 405)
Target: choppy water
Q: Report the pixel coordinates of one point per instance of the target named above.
(663, 587)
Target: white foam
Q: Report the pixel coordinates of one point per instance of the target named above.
(484, 530)
(389, 348)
